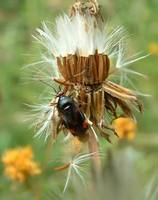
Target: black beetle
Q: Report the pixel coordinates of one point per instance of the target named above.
(72, 117)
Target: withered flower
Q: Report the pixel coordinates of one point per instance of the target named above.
(86, 53)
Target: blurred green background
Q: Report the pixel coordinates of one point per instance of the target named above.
(18, 21)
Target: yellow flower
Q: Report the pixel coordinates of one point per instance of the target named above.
(153, 48)
(125, 128)
(19, 164)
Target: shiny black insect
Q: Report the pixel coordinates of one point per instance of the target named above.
(71, 116)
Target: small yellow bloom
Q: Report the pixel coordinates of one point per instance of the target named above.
(125, 128)
(153, 48)
(19, 164)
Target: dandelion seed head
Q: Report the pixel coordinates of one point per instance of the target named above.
(78, 36)
(79, 43)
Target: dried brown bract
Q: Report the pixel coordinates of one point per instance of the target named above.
(90, 7)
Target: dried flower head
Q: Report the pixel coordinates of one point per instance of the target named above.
(125, 128)
(84, 54)
(83, 7)
(87, 53)
(19, 164)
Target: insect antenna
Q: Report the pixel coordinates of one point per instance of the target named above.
(55, 91)
(59, 90)
(44, 82)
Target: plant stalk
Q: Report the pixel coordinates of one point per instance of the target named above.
(96, 161)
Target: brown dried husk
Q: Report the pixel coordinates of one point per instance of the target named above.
(86, 77)
(97, 102)
(96, 95)
(91, 70)
(86, 7)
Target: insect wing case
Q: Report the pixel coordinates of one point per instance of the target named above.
(72, 117)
